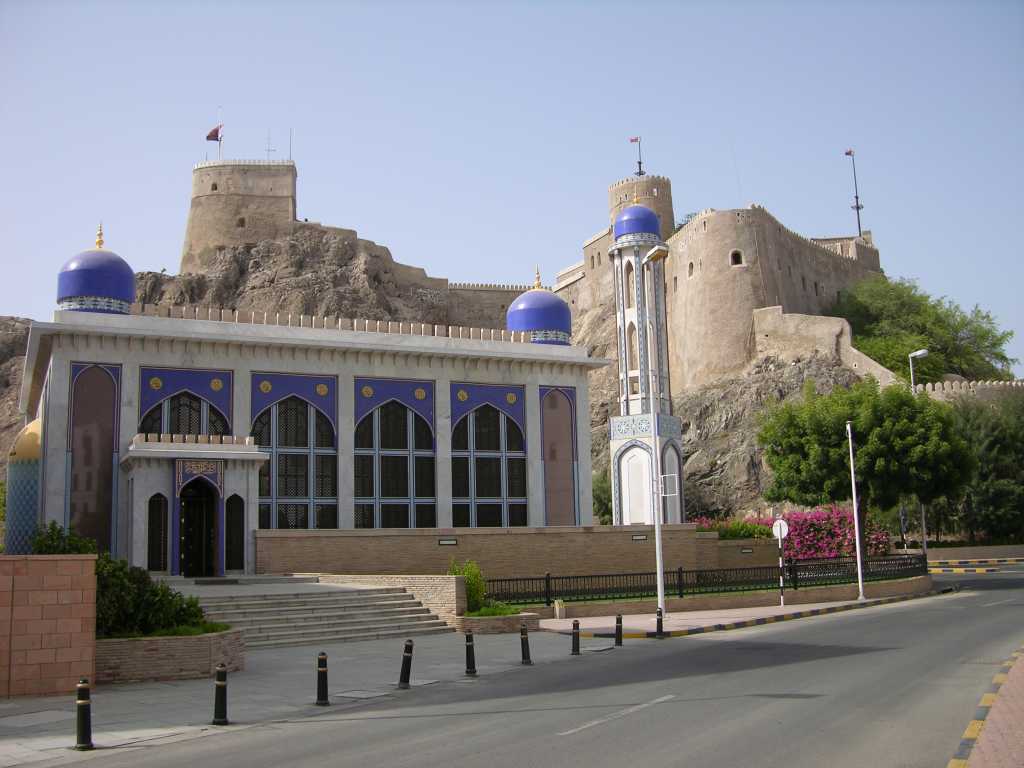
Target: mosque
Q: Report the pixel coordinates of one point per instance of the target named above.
(171, 436)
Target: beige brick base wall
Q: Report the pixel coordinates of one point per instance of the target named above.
(47, 623)
(497, 625)
(747, 553)
(501, 552)
(445, 596)
(168, 658)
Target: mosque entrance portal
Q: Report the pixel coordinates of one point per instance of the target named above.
(198, 530)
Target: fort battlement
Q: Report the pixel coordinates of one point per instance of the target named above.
(246, 163)
(949, 390)
(328, 322)
(491, 287)
(634, 179)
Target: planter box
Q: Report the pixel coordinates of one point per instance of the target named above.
(132, 660)
(496, 625)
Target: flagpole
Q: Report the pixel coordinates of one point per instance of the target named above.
(640, 157)
(220, 134)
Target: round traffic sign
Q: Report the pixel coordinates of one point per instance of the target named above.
(780, 529)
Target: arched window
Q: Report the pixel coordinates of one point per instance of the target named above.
(633, 359)
(299, 484)
(184, 414)
(394, 469)
(93, 442)
(630, 285)
(559, 459)
(488, 470)
(689, 270)
(157, 533)
(671, 465)
(736, 258)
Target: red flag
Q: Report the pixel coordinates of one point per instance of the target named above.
(634, 139)
(214, 135)
(848, 153)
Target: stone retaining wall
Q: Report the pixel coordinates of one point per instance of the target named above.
(130, 660)
(445, 596)
(917, 585)
(496, 625)
(47, 623)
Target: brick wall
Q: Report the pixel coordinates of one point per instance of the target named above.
(497, 625)
(445, 596)
(47, 623)
(501, 552)
(747, 553)
(168, 658)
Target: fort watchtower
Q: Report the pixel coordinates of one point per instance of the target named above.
(237, 202)
(654, 192)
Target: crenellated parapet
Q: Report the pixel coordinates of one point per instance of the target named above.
(490, 287)
(950, 390)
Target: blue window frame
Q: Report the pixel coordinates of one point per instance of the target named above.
(184, 414)
(488, 471)
(298, 486)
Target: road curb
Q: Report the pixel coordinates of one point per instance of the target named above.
(766, 620)
(962, 570)
(973, 730)
(978, 561)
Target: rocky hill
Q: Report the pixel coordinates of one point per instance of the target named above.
(327, 271)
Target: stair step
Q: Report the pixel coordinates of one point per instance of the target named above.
(326, 628)
(298, 608)
(372, 633)
(330, 594)
(366, 618)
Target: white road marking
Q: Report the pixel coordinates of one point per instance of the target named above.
(617, 715)
(999, 602)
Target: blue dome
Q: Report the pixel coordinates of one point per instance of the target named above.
(96, 281)
(636, 220)
(541, 313)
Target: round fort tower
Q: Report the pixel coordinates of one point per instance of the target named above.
(654, 192)
(236, 203)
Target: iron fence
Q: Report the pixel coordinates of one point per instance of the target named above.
(681, 582)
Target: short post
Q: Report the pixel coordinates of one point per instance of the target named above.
(470, 656)
(83, 707)
(618, 629)
(220, 696)
(547, 589)
(403, 678)
(660, 627)
(679, 577)
(524, 641)
(322, 699)
(575, 637)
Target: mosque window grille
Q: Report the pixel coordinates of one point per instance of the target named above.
(184, 414)
(298, 486)
(94, 304)
(488, 471)
(395, 469)
(559, 336)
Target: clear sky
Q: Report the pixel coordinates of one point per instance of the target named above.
(476, 139)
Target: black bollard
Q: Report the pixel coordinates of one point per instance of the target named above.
(660, 632)
(524, 641)
(403, 679)
(575, 637)
(470, 656)
(83, 705)
(322, 700)
(618, 629)
(220, 696)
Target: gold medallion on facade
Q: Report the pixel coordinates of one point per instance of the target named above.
(216, 385)
(511, 398)
(463, 395)
(321, 389)
(265, 386)
(420, 393)
(156, 383)
(367, 390)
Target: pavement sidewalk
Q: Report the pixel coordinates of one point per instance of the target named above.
(1000, 741)
(697, 622)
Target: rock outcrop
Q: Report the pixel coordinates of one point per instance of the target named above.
(13, 338)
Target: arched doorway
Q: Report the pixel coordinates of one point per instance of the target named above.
(198, 536)
(234, 523)
(157, 533)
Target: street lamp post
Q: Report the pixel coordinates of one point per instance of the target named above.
(856, 514)
(924, 533)
(657, 253)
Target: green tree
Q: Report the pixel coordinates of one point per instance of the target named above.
(602, 497)
(993, 503)
(904, 445)
(892, 318)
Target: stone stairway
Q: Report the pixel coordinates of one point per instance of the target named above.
(322, 616)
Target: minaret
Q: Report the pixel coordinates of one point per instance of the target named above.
(638, 456)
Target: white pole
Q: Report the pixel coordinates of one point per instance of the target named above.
(655, 463)
(782, 589)
(911, 358)
(856, 515)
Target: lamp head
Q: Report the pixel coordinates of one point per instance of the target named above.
(919, 353)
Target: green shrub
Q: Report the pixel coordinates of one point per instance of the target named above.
(130, 603)
(740, 529)
(494, 608)
(53, 540)
(476, 587)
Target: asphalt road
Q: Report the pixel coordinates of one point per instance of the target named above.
(887, 686)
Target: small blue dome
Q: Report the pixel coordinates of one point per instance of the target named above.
(541, 313)
(96, 281)
(636, 220)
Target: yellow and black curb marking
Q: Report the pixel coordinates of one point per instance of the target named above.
(983, 561)
(962, 570)
(973, 730)
(766, 619)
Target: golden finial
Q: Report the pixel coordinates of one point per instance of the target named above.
(536, 279)
(99, 236)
